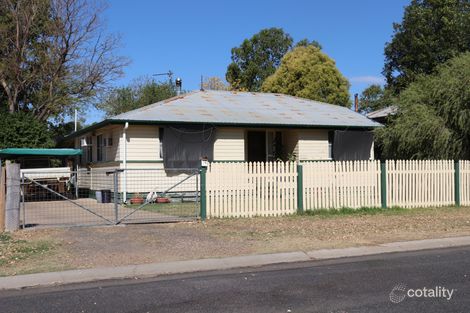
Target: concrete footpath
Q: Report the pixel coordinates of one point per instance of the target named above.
(156, 269)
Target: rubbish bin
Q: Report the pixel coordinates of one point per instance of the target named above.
(99, 196)
(106, 196)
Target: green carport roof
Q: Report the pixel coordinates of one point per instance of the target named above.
(16, 152)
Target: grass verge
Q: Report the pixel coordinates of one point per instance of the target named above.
(14, 252)
(182, 209)
(358, 211)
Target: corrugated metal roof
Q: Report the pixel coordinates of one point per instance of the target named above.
(227, 107)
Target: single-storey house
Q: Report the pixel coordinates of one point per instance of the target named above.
(225, 126)
(172, 136)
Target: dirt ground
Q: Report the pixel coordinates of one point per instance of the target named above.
(86, 247)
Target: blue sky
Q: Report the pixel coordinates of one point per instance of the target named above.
(194, 38)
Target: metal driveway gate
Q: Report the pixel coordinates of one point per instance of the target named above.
(100, 197)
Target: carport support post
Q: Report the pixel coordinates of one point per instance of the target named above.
(12, 207)
(203, 193)
(300, 189)
(457, 183)
(116, 196)
(383, 184)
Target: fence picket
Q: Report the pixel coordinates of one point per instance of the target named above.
(270, 189)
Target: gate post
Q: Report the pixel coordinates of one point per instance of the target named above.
(203, 193)
(116, 196)
(383, 184)
(457, 183)
(12, 208)
(300, 188)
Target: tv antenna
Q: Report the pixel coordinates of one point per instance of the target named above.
(169, 74)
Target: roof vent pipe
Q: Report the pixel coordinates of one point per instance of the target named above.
(356, 102)
(179, 84)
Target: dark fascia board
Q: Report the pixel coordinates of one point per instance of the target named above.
(245, 125)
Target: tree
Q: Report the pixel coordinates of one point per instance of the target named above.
(305, 42)
(375, 97)
(431, 32)
(23, 130)
(139, 93)
(60, 130)
(54, 55)
(214, 83)
(309, 73)
(257, 58)
(434, 116)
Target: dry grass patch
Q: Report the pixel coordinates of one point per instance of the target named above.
(22, 253)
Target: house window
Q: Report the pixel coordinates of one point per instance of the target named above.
(87, 150)
(331, 139)
(160, 139)
(100, 148)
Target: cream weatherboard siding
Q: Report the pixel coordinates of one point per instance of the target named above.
(313, 144)
(229, 144)
(112, 153)
(142, 143)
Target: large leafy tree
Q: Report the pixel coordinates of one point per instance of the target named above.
(431, 32)
(375, 97)
(309, 73)
(257, 58)
(54, 55)
(23, 130)
(434, 116)
(139, 93)
(214, 83)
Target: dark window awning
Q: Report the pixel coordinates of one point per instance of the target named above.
(20, 152)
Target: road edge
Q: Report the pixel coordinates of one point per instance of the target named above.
(199, 265)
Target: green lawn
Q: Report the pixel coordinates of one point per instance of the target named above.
(182, 209)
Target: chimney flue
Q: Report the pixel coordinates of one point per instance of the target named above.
(356, 102)
(179, 84)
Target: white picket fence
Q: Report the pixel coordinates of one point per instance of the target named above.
(328, 185)
(251, 189)
(420, 183)
(271, 188)
(465, 182)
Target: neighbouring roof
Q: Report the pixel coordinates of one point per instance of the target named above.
(242, 109)
(381, 113)
(16, 152)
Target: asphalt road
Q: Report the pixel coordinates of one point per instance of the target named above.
(347, 285)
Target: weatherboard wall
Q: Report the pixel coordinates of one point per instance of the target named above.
(229, 144)
(313, 144)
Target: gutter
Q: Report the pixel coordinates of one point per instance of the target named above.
(246, 125)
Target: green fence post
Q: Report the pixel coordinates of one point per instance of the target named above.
(457, 183)
(203, 193)
(383, 184)
(300, 188)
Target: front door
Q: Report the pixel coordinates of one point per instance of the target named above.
(256, 146)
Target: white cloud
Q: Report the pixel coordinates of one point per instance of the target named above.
(367, 79)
